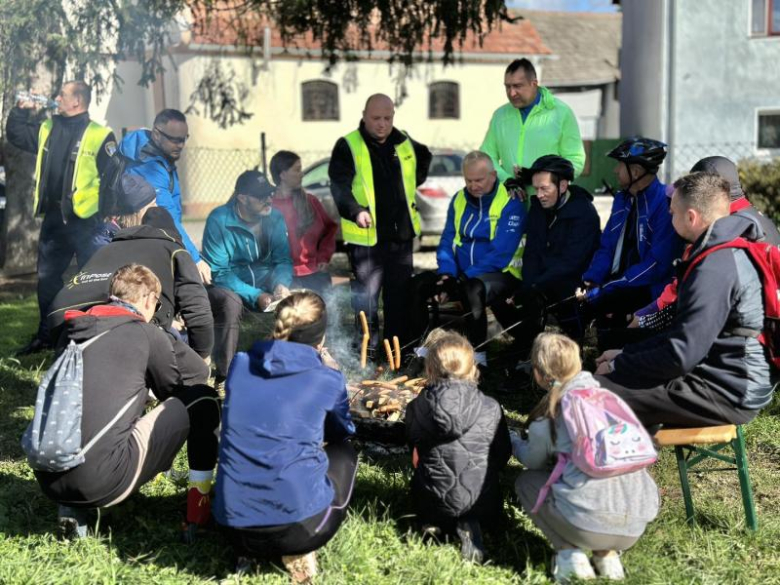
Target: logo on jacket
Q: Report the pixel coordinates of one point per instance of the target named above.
(88, 278)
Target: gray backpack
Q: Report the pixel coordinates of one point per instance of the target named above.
(52, 441)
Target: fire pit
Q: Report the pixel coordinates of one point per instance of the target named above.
(378, 407)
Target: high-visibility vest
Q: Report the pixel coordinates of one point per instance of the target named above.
(86, 178)
(500, 201)
(363, 188)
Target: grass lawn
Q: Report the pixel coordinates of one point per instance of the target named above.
(138, 540)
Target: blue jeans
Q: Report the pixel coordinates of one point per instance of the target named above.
(58, 243)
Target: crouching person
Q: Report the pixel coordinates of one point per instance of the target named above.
(460, 444)
(286, 468)
(576, 511)
(121, 447)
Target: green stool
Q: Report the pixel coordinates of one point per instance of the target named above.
(692, 446)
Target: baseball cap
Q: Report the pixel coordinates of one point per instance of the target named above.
(255, 184)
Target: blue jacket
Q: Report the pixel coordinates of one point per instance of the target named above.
(239, 262)
(281, 403)
(478, 254)
(659, 244)
(160, 173)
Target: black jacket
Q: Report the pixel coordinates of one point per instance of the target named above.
(560, 243)
(157, 246)
(463, 443)
(59, 159)
(722, 292)
(392, 212)
(118, 368)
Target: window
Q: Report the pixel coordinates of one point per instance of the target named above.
(444, 100)
(765, 17)
(320, 100)
(769, 130)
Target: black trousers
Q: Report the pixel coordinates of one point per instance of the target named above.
(475, 294)
(312, 533)
(612, 317)
(683, 402)
(385, 267)
(227, 308)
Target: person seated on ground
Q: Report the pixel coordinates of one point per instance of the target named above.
(478, 254)
(659, 314)
(638, 244)
(245, 243)
(603, 515)
(310, 230)
(706, 368)
(148, 237)
(286, 466)
(131, 357)
(460, 444)
(562, 235)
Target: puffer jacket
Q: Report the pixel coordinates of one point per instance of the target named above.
(149, 162)
(657, 241)
(462, 442)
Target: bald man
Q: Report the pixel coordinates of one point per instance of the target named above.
(374, 173)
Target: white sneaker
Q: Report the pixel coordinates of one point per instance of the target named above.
(609, 566)
(571, 563)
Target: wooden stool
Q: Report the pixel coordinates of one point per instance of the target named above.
(686, 442)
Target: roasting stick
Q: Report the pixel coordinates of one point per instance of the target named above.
(400, 380)
(397, 351)
(389, 353)
(366, 338)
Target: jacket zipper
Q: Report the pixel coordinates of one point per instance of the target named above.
(476, 225)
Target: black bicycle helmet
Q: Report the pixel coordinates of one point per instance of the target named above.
(645, 152)
(550, 163)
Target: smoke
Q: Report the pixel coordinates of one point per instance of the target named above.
(341, 337)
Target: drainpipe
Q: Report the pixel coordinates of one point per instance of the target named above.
(671, 21)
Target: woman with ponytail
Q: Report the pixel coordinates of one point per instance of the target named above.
(286, 467)
(310, 230)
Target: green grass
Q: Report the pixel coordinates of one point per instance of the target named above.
(138, 541)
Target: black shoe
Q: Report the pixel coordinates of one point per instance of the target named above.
(72, 522)
(471, 547)
(35, 346)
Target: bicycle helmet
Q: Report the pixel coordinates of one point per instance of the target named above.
(645, 152)
(550, 163)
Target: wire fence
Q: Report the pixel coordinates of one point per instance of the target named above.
(684, 156)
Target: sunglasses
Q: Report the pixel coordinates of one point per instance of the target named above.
(173, 139)
(158, 304)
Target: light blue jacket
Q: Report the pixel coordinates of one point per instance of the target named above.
(238, 261)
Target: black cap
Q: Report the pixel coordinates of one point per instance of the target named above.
(254, 184)
(725, 169)
(550, 163)
(135, 194)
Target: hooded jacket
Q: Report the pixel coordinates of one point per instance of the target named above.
(722, 292)
(132, 357)
(241, 263)
(560, 241)
(156, 245)
(281, 403)
(657, 241)
(149, 162)
(462, 442)
(478, 254)
(550, 128)
(620, 505)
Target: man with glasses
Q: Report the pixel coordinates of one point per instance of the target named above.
(245, 242)
(154, 154)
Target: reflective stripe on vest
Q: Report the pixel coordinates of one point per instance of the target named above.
(494, 214)
(86, 178)
(363, 188)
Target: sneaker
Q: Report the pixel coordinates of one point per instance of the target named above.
(198, 507)
(244, 566)
(302, 568)
(471, 547)
(219, 385)
(72, 522)
(36, 345)
(571, 563)
(609, 566)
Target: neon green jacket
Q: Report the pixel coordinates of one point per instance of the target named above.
(550, 128)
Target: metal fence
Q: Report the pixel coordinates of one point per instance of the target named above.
(684, 155)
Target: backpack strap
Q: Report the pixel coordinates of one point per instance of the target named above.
(89, 342)
(106, 428)
(556, 474)
(735, 243)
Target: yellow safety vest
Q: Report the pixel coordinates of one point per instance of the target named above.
(363, 188)
(86, 178)
(500, 201)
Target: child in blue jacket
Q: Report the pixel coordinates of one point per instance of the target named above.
(286, 468)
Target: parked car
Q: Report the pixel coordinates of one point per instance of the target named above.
(433, 196)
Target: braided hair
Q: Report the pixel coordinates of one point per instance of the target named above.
(299, 310)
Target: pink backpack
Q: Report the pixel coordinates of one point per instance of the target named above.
(607, 438)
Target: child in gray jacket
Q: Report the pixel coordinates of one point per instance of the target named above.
(604, 515)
